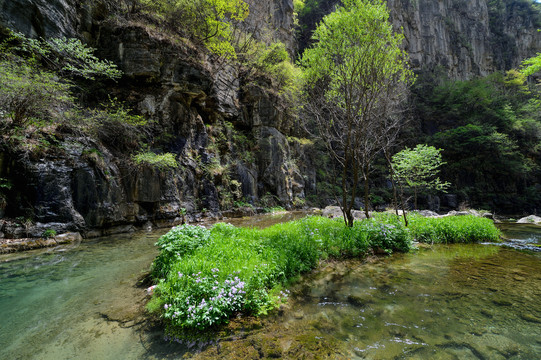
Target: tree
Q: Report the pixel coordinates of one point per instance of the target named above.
(532, 65)
(205, 21)
(356, 75)
(418, 169)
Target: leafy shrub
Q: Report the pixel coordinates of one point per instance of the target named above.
(204, 301)
(205, 21)
(70, 57)
(27, 92)
(49, 233)
(387, 233)
(274, 61)
(453, 229)
(178, 242)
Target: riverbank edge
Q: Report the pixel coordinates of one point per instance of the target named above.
(16, 237)
(13, 243)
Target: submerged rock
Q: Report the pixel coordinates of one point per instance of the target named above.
(530, 318)
(8, 246)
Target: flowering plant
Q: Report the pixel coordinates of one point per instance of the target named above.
(204, 301)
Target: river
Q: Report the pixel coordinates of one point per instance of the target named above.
(461, 301)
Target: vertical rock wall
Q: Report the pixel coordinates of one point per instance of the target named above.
(273, 18)
(460, 38)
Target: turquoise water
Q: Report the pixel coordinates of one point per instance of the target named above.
(55, 303)
(447, 302)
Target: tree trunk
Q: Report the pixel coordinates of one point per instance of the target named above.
(395, 195)
(366, 194)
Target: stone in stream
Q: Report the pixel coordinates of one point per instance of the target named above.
(502, 302)
(530, 318)
(532, 219)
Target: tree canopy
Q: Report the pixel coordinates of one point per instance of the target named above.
(418, 168)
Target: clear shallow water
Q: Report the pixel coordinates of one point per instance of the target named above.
(55, 303)
(84, 302)
(522, 236)
(445, 302)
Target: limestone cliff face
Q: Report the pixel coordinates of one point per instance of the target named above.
(274, 18)
(461, 38)
(41, 18)
(465, 38)
(192, 99)
(451, 34)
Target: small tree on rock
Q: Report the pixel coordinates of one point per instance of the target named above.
(418, 169)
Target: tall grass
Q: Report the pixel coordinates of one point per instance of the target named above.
(206, 276)
(452, 229)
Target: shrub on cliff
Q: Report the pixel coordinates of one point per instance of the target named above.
(27, 92)
(203, 21)
(160, 161)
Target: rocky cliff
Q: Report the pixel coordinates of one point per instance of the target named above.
(233, 135)
(466, 38)
(460, 38)
(228, 132)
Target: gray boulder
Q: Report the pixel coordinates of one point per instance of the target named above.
(532, 219)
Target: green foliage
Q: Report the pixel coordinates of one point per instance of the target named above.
(163, 162)
(5, 184)
(239, 269)
(274, 209)
(205, 21)
(68, 56)
(453, 229)
(418, 168)
(117, 111)
(206, 276)
(386, 232)
(532, 65)
(274, 61)
(355, 75)
(178, 242)
(355, 45)
(27, 92)
(49, 233)
(77, 59)
(240, 204)
(490, 132)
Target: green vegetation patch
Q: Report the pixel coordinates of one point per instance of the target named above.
(161, 161)
(206, 276)
(453, 229)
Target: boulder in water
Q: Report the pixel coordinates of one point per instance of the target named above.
(532, 219)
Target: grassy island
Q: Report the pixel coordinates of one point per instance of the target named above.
(205, 276)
